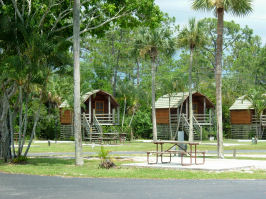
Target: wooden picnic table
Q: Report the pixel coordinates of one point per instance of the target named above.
(192, 153)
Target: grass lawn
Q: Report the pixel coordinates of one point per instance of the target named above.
(67, 168)
(136, 146)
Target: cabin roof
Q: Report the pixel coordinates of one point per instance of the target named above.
(86, 96)
(176, 99)
(241, 104)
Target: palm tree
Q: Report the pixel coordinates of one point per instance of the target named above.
(191, 37)
(238, 8)
(77, 112)
(151, 43)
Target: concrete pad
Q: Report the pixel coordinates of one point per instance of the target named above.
(210, 164)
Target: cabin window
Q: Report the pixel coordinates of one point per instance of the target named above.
(99, 107)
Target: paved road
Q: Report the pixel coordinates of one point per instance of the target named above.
(45, 187)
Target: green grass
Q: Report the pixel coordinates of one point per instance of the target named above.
(67, 168)
(134, 146)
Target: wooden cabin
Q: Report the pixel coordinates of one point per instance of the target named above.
(98, 108)
(244, 122)
(173, 111)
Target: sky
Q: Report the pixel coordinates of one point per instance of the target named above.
(181, 10)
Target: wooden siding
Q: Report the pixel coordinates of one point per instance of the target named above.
(241, 117)
(162, 116)
(65, 116)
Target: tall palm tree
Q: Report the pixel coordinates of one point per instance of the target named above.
(238, 8)
(151, 43)
(77, 112)
(191, 37)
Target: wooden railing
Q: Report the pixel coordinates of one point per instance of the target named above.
(97, 125)
(102, 118)
(261, 120)
(105, 118)
(201, 118)
(197, 126)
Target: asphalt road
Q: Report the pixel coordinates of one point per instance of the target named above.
(38, 187)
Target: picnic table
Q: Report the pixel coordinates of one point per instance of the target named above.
(193, 153)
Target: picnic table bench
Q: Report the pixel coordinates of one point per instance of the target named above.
(193, 153)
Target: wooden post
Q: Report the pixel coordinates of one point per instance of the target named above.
(187, 109)
(118, 115)
(113, 116)
(90, 115)
(93, 110)
(204, 108)
(109, 108)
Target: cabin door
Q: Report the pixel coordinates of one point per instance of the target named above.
(99, 107)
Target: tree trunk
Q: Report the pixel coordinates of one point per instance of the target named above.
(218, 78)
(124, 111)
(20, 120)
(36, 119)
(190, 98)
(154, 125)
(77, 112)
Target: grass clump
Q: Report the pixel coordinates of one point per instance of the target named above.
(106, 162)
(19, 160)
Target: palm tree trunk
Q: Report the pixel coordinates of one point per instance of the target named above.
(77, 112)
(218, 78)
(190, 97)
(154, 126)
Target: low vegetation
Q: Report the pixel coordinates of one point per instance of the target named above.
(67, 168)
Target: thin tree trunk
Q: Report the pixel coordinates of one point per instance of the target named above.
(190, 97)
(36, 119)
(25, 124)
(117, 66)
(124, 111)
(77, 112)
(154, 125)
(12, 133)
(218, 78)
(179, 118)
(20, 120)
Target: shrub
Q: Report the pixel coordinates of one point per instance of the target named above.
(20, 160)
(106, 162)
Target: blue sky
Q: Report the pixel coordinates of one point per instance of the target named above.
(181, 10)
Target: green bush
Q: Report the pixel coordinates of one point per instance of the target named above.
(142, 124)
(20, 160)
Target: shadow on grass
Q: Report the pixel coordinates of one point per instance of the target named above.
(50, 161)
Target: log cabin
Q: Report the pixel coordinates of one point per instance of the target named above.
(98, 108)
(172, 114)
(244, 122)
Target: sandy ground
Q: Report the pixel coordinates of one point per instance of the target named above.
(210, 164)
